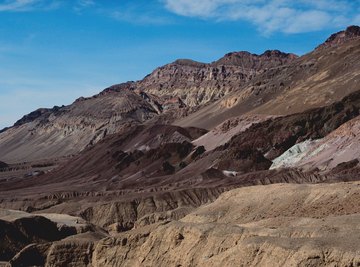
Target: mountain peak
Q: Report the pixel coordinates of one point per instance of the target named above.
(350, 33)
(246, 59)
(278, 54)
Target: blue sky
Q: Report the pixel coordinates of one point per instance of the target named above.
(54, 51)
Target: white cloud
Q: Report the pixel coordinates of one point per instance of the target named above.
(28, 5)
(81, 5)
(312, 19)
(86, 3)
(205, 8)
(139, 19)
(17, 5)
(273, 15)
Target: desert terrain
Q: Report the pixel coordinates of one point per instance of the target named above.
(250, 160)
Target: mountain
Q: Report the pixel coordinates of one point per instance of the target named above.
(339, 38)
(316, 79)
(198, 83)
(273, 83)
(63, 131)
(198, 163)
(161, 163)
(172, 90)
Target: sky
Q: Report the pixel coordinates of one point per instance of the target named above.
(54, 51)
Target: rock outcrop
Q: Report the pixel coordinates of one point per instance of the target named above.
(339, 38)
(29, 239)
(282, 225)
(340, 146)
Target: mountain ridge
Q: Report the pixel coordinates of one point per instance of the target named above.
(350, 33)
(178, 92)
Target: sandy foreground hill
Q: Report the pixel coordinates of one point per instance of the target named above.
(273, 225)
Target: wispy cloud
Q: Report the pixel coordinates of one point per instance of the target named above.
(137, 13)
(81, 5)
(139, 18)
(86, 3)
(131, 12)
(273, 15)
(28, 5)
(18, 5)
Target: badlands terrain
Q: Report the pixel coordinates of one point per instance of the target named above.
(250, 160)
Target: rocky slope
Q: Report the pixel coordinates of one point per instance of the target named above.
(282, 225)
(68, 130)
(240, 81)
(316, 79)
(270, 138)
(174, 90)
(339, 38)
(199, 83)
(309, 225)
(141, 162)
(222, 133)
(19, 230)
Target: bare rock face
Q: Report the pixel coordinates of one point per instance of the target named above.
(143, 161)
(199, 83)
(269, 59)
(24, 231)
(336, 39)
(74, 251)
(46, 239)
